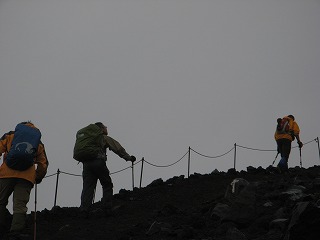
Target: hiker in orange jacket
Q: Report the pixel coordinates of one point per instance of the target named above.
(19, 183)
(284, 137)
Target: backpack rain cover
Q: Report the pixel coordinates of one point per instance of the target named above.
(24, 147)
(88, 143)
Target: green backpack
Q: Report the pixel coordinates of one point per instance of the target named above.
(88, 144)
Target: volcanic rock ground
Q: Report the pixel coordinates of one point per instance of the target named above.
(205, 207)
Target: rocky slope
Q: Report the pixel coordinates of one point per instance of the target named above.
(255, 204)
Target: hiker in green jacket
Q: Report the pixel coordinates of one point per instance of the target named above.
(96, 168)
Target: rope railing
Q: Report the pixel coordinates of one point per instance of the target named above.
(234, 148)
(169, 165)
(50, 175)
(71, 174)
(306, 143)
(212, 156)
(125, 168)
(256, 149)
(273, 150)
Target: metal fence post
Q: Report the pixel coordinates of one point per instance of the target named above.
(235, 155)
(57, 183)
(317, 140)
(189, 161)
(132, 176)
(141, 171)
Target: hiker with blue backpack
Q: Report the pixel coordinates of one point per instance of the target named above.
(90, 148)
(286, 132)
(24, 164)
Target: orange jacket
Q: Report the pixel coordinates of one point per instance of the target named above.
(37, 171)
(294, 128)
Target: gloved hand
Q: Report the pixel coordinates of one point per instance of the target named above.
(38, 180)
(133, 159)
(300, 144)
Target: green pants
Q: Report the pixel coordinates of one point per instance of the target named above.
(21, 189)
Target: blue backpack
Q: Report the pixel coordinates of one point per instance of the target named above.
(24, 147)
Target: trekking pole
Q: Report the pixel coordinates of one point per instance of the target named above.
(275, 158)
(300, 158)
(35, 213)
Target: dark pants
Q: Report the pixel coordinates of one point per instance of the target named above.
(20, 188)
(92, 171)
(284, 148)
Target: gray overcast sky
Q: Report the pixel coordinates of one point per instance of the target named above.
(163, 76)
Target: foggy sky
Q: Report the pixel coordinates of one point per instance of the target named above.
(163, 76)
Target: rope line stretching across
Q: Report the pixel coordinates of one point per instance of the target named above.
(51, 175)
(169, 164)
(71, 174)
(213, 156)
(269, 150)
(256, 149)
(306, 143)
(125, 168)
(79, 175)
